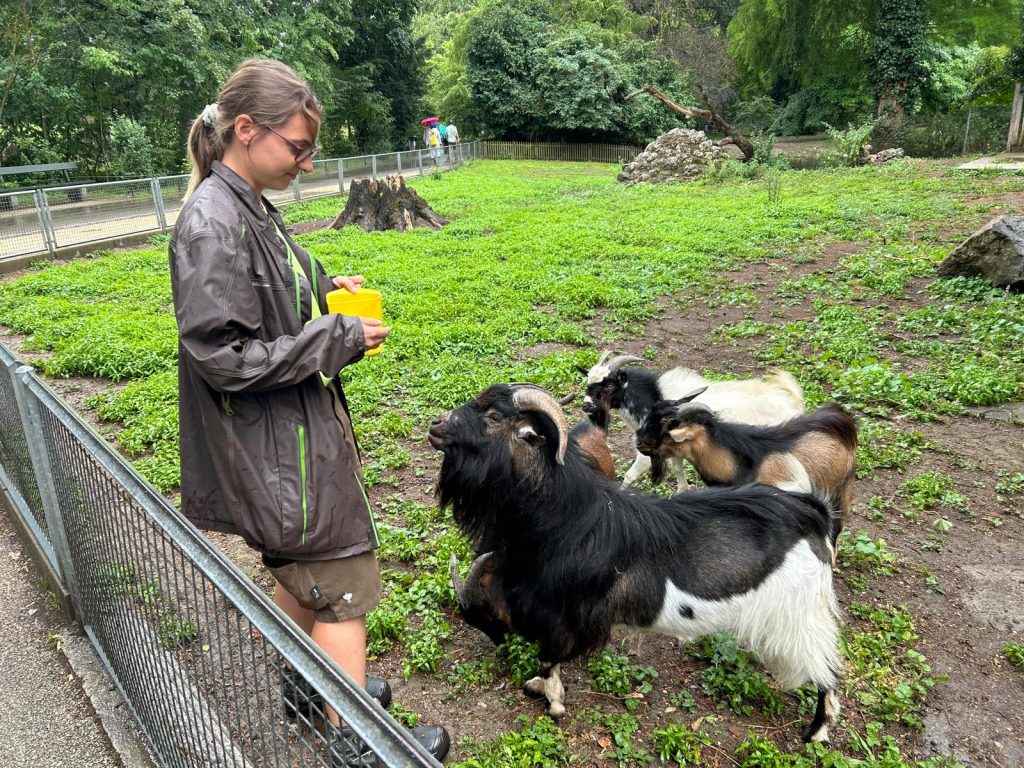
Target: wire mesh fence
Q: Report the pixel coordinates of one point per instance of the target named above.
(203, 659)
(86, 213)
(22, 228)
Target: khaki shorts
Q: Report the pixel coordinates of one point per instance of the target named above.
(335, 590)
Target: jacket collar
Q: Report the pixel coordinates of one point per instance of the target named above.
(244, 192)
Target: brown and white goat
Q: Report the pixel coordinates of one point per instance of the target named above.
(634, 391)
(814, 453)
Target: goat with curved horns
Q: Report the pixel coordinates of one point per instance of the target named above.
(634, 391)
(572, 555)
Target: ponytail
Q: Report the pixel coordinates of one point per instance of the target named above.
(205, 144)
(268, 91)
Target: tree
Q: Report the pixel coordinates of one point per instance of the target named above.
(898, 52)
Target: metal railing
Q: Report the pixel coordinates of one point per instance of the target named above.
(195, 648)
(47, 219)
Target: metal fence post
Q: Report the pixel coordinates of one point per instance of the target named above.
(45, 222)
(373, 167)
(341, 175)
(419, 160)
(32, 420)
(158, 201)
(295, 189)
(398, 158)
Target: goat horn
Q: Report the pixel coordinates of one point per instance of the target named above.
(561, 401)
(617, 362)
(530, 397)
(457, 584)
(696, 393)
(604, 357)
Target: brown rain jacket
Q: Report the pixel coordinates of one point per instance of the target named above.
(265, 452)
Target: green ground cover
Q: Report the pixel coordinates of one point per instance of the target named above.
(544, 264)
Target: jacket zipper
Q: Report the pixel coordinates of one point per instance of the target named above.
(304, 471)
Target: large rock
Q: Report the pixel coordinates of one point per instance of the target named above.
(679, 155)
(995, 252)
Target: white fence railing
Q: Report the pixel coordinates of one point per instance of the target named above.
(47, 219)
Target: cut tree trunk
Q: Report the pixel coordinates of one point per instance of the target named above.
(709, 115)
(386, 204)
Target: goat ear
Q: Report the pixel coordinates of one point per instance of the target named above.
(529, 435)
(696, 393)
(681, 434)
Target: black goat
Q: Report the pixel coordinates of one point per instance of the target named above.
(573, 554)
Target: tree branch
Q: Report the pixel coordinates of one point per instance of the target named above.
(709, 115)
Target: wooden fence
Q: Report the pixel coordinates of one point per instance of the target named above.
(591, 153)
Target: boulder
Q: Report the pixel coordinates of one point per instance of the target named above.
(677, 156)
(995, 252)
(886, 156)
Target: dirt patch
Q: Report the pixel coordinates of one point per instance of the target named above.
(304, 227)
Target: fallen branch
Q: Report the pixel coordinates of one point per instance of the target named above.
(707, 115)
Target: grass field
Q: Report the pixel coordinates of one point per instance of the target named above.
(825, 273)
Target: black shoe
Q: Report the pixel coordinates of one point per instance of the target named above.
(349, 751)
(301, 699)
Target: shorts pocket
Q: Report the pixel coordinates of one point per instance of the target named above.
(302, 585)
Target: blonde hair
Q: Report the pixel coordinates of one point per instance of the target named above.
(268, 91)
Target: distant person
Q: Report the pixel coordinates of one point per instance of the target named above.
(453, 140)
(442, 129)
(267, 446)
(434, 143)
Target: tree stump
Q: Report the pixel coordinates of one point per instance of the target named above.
(384, 205)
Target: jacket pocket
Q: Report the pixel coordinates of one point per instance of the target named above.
(295, 472)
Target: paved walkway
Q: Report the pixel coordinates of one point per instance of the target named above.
(97, 220)
(46, 718)
(1007, 162)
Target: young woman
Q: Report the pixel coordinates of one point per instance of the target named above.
(267, 448)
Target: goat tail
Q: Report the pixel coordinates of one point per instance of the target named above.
(785, 381)
(834, 420)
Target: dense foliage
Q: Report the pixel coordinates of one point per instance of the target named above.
(115, 84)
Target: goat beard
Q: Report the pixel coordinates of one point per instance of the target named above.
(468, 484)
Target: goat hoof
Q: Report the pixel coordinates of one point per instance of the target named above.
(556, 711)
(818, 735)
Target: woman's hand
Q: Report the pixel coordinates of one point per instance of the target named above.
(350, 284)
(374, 332)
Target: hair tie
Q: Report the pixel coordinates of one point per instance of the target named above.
(209, 115)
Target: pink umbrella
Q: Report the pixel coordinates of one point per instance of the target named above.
(429, 121)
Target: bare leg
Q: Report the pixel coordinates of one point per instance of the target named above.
(345, 643)
(286, 601)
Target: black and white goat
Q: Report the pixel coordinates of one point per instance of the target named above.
(633, 392)
(480, 599)
(813, 453)
(571, 554)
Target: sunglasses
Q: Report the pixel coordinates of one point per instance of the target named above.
(302, 154)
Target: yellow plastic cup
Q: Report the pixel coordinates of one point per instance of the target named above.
(363, 303)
